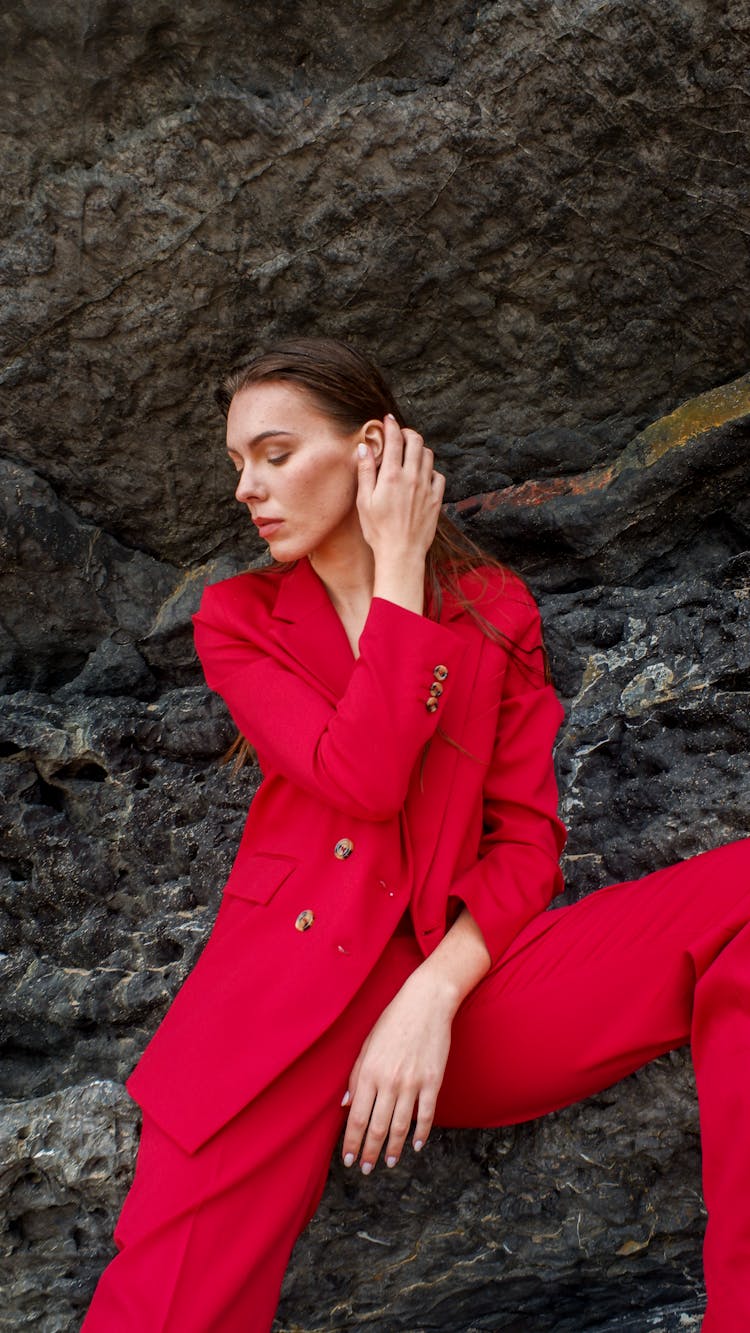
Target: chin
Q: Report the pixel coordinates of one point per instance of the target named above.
(284, 552)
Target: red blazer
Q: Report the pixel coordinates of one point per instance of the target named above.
(357, 817)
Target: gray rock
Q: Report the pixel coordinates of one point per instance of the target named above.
(67, 1159)
(534, 214)
(83, 613)
(616, 522)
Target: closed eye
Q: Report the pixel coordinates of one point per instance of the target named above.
(278, 458)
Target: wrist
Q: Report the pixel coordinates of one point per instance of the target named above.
(458, 963)
(444, 992)
(400, 581)
(395, 564)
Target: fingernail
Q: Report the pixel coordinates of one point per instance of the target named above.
(349, 1159)
(362, 450)
(390, 416)
(391, 1161)
(418, 1145)
(345, 1098)
(366, 1168)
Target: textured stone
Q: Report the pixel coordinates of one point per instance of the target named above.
(67, 1160)
(118, 829)
(616, 522)
(534, 214)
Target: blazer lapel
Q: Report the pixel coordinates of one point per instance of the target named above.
(307, 628)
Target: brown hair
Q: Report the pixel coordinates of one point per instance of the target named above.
(350, 389)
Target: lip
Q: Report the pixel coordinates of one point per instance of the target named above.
(267, 526)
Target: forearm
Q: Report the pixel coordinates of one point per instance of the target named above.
(458, 963)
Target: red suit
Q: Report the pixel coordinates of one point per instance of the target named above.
(418, 777)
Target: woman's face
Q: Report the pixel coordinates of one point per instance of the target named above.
(298, 471)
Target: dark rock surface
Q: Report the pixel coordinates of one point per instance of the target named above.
(535, 216)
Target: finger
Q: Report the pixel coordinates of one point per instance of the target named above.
(400, 1122)
(393, 445)
(357, 1122)
(366, 472)
(413, 450)
(437, 486)
(427, 463)
(354, 1076)
(380, 1122)
(351, 1087)
(425, 1117)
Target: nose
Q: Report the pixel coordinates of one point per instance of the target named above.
(249, 486)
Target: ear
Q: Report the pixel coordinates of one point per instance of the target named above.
(373, 434)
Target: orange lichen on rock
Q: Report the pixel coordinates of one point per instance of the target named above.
(709, 410)
(717, 407)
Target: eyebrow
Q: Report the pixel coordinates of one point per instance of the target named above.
(264, 435)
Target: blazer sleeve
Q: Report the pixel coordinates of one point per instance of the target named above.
(356, 754)
(517, 872)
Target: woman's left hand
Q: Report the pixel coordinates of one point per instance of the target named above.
(401, 1063)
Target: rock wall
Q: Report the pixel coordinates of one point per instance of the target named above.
(534, 215)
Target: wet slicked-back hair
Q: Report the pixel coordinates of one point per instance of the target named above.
(347, 386)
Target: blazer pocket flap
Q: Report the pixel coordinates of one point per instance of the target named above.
(258, 877)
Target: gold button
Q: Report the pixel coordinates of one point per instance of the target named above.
(304, 920)
(440, 672)
(344, 847)
(436, 690)
(431, 705)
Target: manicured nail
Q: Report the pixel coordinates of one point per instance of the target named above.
(366, 1168)
(362, 450)
(349, 1159)
(391, 1161)
(346, 1098)
(418, 1145)
(390, 416)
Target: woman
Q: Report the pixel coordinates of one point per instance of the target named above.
(382, 930)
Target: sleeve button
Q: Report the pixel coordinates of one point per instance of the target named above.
(431, 705)
(440, 672)
(436, 690)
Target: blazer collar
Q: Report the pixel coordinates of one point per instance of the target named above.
(300, 593)
(309, 628)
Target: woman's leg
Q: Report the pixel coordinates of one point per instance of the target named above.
(588, 993)
(205, 1237)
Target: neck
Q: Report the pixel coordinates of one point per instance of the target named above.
(346, 565)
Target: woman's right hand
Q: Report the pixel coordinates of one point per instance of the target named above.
(399, 503)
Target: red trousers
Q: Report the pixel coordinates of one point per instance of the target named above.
(585, 995)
